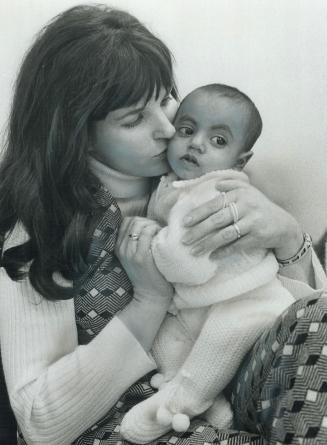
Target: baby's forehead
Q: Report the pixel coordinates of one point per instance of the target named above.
(203, 103)
(200, 96)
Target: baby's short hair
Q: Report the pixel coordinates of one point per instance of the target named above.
(255, 124)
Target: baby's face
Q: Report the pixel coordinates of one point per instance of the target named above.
(210, 135)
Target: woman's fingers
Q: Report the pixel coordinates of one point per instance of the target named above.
(234, 175)
(143, 250)
(124, 230)
(212, 223)
(231, 184)
(130, 226)
(138, 228)
(261, 223)
(135, 254)
(207, 209)
(229, 234)
(231, 189)
(233, 212)
(240, 244)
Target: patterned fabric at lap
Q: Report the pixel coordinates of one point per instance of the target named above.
(281, 390)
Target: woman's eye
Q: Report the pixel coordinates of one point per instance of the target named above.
(219, 140)
(165, 101)
(135, 122)
(185, 131)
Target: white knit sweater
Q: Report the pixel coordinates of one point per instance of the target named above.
(54, 384)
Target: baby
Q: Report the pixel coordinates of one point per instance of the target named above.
(222, 303)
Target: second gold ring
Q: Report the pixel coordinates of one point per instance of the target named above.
(237, 230)
(234, 211)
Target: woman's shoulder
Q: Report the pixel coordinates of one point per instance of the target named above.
(14, 238)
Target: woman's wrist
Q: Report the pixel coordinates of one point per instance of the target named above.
(163, 292)
(291, 242)
(158, 299)
(300, 253)
(143, 317)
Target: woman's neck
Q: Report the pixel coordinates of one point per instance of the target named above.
(120, 185)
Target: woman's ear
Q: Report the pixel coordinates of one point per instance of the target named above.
(243, 159)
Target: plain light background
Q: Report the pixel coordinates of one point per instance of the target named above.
(273, 50)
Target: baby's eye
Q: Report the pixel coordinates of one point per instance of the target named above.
(185, 131)
(219, 140)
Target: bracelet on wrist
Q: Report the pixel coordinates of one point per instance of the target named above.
(304, 249)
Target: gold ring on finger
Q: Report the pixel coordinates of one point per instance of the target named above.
(225, 202)
(237, 230)
(133, 236)
(234, 211)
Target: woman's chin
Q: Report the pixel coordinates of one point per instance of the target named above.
(160, 170)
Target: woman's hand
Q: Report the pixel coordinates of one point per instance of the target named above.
(261, 222)
(152, 293)
(136, 258)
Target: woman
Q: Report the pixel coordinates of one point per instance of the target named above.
(74, 337)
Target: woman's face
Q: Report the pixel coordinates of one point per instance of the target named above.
(133, 140)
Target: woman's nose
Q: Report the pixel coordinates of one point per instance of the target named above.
(165, 129)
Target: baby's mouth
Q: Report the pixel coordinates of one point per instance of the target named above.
(190, 158)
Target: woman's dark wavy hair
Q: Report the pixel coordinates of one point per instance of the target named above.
(86, 62)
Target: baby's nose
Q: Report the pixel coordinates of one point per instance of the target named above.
(197, 143)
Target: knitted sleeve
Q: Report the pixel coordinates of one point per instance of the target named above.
(58, 389)
(172, 257)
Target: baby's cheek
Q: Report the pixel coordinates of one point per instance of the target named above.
(172, 151)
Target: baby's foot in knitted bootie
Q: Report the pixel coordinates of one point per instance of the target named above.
(182, 402)
(179, 422)
(140, 424)
(220, 414)
(171, 407)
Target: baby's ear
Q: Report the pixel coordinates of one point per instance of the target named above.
(243, 159)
